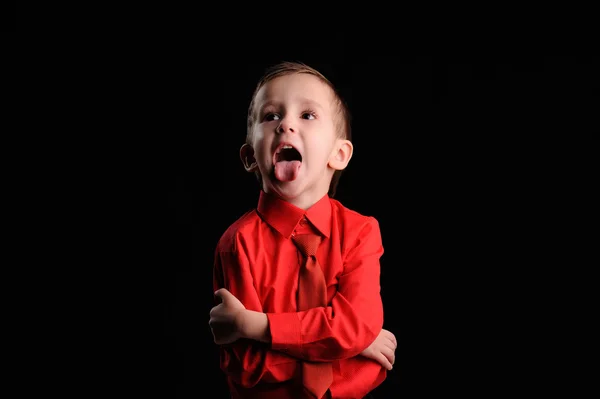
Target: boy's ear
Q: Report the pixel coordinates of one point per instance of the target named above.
(341, 155)
(247, 157)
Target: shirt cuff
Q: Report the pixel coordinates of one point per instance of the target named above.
(285, 330)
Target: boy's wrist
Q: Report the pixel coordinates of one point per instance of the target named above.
(242, 322)
(254, 325)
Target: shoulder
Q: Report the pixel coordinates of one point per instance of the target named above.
(359, 234)
(243, 226)
(351, 220)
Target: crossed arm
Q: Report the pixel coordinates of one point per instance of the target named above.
(230, 321)
(348, 327)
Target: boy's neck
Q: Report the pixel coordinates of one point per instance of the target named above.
(303, 201)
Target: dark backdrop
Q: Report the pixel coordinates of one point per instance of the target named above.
(454, 155)
(477, 166)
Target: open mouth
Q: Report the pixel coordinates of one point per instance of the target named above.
(287, 153)
(287, 161)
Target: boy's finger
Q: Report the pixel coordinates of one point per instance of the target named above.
(389, 354)
(389, 344)
(384, 361)
(223, 294)
(391, 336)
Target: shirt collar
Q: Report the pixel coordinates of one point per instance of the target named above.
(284, 217)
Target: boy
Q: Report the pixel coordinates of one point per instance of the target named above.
(300, 313)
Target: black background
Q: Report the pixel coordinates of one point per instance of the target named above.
(454, 155)
(475, 164)
(8, 17)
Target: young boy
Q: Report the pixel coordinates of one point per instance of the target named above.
(300, 312)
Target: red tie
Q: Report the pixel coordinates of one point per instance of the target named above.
(312, 293)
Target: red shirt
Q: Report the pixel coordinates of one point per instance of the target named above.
(257, 262)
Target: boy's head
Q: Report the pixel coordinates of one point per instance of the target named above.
(298, 139)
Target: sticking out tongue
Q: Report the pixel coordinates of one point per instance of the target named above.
(287, 170)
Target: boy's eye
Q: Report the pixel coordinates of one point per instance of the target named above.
(308, 115)
(271, 117)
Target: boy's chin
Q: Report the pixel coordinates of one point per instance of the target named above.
(286, 189)
(295, 190)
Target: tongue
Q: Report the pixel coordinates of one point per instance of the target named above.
(287, 170)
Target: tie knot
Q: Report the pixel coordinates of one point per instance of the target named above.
(307, 243)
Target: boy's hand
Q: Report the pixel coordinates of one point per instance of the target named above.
(382, 349)
(226, 318)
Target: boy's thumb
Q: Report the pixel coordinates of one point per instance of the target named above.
(221, 293)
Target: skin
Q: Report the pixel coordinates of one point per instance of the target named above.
(298, 110)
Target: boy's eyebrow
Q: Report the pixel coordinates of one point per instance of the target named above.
(310, 102)
(301, 100)
(266, 104)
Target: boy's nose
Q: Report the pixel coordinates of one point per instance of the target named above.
(285, 126)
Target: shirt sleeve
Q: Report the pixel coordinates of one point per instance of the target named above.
(247, 362)
(355, 316)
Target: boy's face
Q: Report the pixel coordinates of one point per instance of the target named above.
(295, 143)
